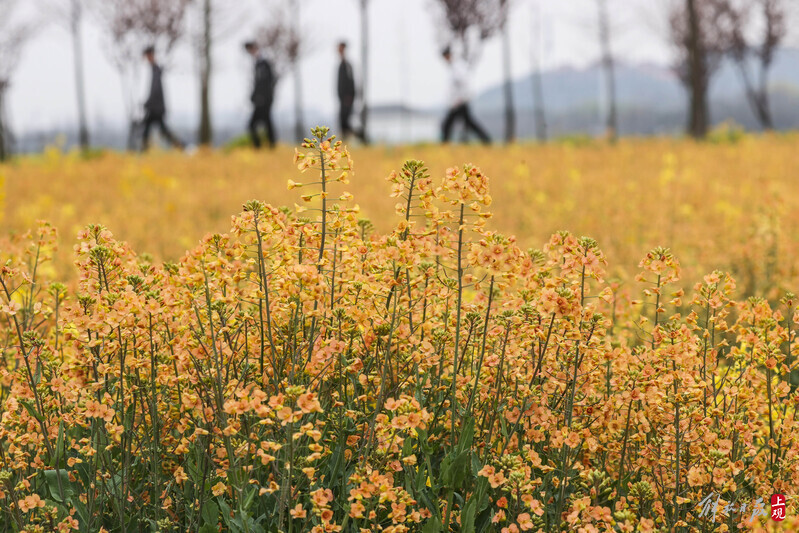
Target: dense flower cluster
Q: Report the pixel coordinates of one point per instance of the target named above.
(299, 373)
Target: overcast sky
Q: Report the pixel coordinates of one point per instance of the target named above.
(404, 60)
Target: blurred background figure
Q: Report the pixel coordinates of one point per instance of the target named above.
(346, 94)
(155, 106)
(459, 99)
(261, 97)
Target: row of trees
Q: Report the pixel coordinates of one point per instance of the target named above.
(702, 32)
(747, 31)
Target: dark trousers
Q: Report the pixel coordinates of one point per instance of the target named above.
(461, 112)
(345, 121)
(262, 115)
(157, 119)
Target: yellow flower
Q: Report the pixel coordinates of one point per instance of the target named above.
(219, 489)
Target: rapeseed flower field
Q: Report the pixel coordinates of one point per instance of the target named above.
(570, 337)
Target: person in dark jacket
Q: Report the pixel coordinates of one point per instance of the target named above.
(346, 94)
(155, 106)
(261, 97)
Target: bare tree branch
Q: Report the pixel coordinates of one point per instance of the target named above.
(770, 18)
(133, 24)
(280, 40)
(470, 22)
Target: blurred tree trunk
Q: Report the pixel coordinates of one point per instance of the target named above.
(4, 137)
(299, 129)
(75, 19)
(205, 134)
(757, 93)
(611, 123)
(538, 107)
(760, 99)
(698, 117)
(294, 54)
(510, 115)
(364, 66)
(537, 81)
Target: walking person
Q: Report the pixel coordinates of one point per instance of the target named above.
(155, 106)
(262, 95)
(459, 100)
(346, 95)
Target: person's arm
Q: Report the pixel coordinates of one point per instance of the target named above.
(256, 83)
(149, 101)
(460, 74)
(350, 81)
(342, 80)
(269, 79)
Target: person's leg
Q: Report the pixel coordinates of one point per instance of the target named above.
(345, 115)
(270, 127)
(253, 127)
(145, 136)
(168, 135)
(361, 132)
(474, 126)
(449, 120)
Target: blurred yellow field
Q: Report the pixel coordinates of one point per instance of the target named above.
(727, 205)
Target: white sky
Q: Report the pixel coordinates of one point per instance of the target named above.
(404, 60)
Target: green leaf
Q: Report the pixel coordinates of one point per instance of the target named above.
(481, 495)
(420, 482)
(433, 525)
(424, 443)
(407, 448)
(468, 515)
(211, 514)
(225, 508)
(82, 511)
(476, 465)
(65, 491)
(337, 460)
(59, 442)
(467, 435)
(249, 499)
(454, 468)
(32, 410)
(477, 503)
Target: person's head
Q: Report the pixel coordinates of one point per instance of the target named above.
(342, 48)
(446, 53)
(251, 47)
(149, 54)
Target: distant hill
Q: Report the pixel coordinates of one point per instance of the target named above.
(651, 99)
